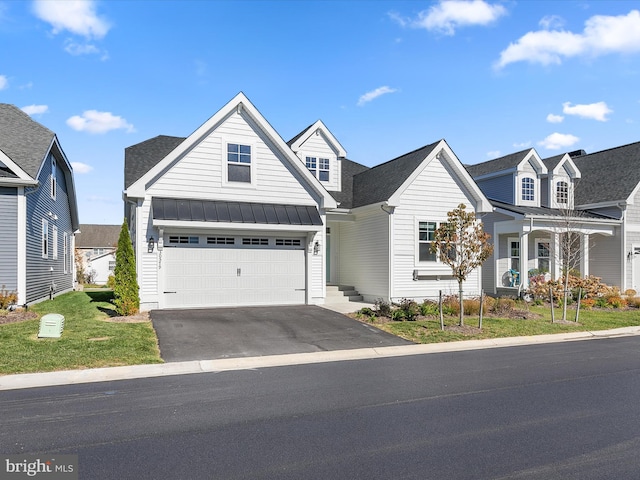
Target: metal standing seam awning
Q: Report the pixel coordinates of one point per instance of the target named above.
(217, 211)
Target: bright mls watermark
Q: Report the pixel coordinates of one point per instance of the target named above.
(50, 467)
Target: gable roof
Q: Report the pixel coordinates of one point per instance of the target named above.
(349, 170)
(240, 104)
(98, 236)
(141, 157)
(508, 163)
(319, 128)
(24, 141)
(549, 212)
(608, 176)
(379, 183)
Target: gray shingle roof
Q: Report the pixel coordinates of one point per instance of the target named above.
(379, 183)
(22, 139)
(552, 162)
(143, 156)
(98, 236)
(498, 164)
(547, 212)
(609, 175)
(293, 140)
(349, 170)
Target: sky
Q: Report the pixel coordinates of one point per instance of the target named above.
(491, 77)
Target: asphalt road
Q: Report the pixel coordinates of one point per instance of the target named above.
(558, 411)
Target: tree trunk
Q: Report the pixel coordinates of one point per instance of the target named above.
(461, 322)
(566, 295)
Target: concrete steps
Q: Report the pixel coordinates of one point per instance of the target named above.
(342, 294)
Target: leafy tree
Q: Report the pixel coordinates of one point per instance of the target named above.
(125, 291)
(462, 244)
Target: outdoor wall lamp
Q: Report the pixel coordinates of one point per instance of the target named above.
(316, 248)
(150, 245)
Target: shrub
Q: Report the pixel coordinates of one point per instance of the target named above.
(111, 282)
(382, 308)
(504, 306)
(633, 302)
(125, 292)
(587, 303)
(7, 298)
(409, 309)
(397, 315)
(616, 301)
(429, 308)
(472, 306)
(450, 305)
(630, 292)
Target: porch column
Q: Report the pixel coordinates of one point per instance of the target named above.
(524, 260)
(584, 255)
(556, 253)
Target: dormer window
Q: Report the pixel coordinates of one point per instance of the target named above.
(528, 189)
(562, 193)
(319, 167)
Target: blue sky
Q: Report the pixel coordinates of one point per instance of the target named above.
(491, 77)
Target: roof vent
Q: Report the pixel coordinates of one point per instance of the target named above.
(577, 153)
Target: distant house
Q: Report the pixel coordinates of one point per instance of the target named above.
(234, 215)
(537, 201)
(38, 210)
(97, 245)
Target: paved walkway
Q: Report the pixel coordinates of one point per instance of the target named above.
(31, 380)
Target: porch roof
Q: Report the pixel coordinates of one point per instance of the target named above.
(550, 213)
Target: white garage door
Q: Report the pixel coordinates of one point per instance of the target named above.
(218, 276)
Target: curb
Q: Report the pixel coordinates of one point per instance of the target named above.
(107, 374)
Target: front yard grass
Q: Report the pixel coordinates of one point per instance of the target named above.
(88, 340)
(427, 330)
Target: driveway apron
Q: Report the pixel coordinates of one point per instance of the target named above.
(207, 334)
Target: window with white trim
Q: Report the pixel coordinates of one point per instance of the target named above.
(543, 255)
(319, 167)
(312, 164)
(53, 178)
(45, 238)
(514, 260)
(426, 236)
(562, 193)
(528, 189)
(54, 241)
(112, 265)
(238, 163)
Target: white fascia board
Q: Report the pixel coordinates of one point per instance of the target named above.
(483, 205)
(566, 160)
(509, 213)
(17, 182)
(190, 225)
(17, 171)
(533, 156)
(614, 203)
(319, 126)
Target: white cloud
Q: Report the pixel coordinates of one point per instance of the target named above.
(556, 141)
(602, 35)
(494, 154)
(80, 48)
(448, 15)
(552, 118)
(595, 111)
(35, 109)
(76, 16)
(551, 22)
(93, 121)
(79, 167)
(4, 82)
(373, 94)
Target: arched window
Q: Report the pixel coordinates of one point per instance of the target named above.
(528, 189)
(562, 192)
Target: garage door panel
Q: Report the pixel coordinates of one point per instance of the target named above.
(205, 277)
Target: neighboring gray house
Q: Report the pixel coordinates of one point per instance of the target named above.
(38, 211)
(97, 245)
(595, 196)
(234, 215)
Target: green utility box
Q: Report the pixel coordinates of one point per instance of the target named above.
(51, 325)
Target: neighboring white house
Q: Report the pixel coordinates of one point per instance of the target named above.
(97, 245)
(234, 215)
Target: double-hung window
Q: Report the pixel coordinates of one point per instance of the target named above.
(562, 193)
(54, 241)
(528, 189)
(238, 163)
(319, 167)
(543, 254)
(45, 239)
(426, 236)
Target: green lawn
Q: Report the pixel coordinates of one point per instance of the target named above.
(88, 341)
(428, 330)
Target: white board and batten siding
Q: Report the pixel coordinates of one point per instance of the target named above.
(431, 195)
(364, 253)
(201, 174)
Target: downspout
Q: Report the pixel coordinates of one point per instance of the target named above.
(389, 211)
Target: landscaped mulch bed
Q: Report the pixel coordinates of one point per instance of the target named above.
(19, 315)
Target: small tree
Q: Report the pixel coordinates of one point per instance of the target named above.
(462, 244)
(125, 290)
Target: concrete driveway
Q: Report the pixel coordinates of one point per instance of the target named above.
(207, 334)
